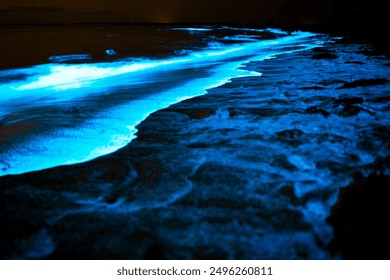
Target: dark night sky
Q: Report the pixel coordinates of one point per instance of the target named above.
(194, 11)
(198, 11)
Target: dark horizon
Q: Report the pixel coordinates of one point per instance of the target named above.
(278, 12)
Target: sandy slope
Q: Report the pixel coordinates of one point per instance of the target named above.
(248, 171)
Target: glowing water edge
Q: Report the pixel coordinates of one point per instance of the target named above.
(64, 113)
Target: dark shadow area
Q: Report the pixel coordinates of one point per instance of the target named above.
(360, 219)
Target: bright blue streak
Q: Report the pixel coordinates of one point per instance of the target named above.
(114, 127)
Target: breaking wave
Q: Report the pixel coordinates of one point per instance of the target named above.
(64, 113)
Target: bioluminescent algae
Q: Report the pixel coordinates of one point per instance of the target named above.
(112, 98)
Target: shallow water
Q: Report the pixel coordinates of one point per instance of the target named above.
(79, 106)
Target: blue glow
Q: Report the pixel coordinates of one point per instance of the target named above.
(245, 38)
(69, 57)
(272, 30)
(192, 29)
(110, 52)
(132, 88)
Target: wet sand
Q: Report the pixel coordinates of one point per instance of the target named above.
(248, 171)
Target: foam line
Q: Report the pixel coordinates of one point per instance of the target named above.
(137, 88)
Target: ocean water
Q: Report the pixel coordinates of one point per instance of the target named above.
(68, 96)
(255, 179)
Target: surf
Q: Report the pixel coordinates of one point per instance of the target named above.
(75, 112)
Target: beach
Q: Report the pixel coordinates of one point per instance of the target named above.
(248, 170)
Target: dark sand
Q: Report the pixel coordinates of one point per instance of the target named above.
(248, 171)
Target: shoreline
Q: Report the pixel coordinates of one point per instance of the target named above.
(75, 96)
(233, 174)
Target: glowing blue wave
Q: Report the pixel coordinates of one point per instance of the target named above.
(191, 29)
(119, 96)
(70, 57)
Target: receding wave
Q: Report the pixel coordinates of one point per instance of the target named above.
(64, 113)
